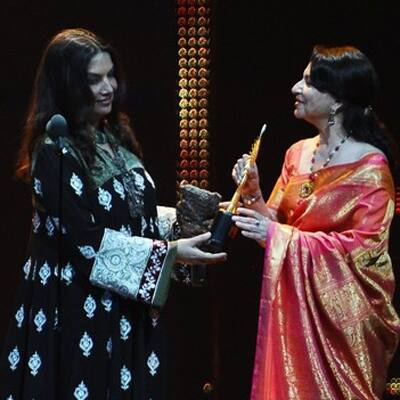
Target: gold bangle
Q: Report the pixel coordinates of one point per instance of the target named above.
(248, 201)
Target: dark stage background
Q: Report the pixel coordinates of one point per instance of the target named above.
(259, 50)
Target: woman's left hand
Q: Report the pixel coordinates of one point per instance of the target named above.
(252, 224)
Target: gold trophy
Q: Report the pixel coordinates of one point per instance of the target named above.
(222, 226)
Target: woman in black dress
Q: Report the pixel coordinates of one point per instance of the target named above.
(87, 323)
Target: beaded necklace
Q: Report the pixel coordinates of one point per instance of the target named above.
(308, 187)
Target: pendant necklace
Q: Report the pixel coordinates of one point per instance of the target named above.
(308, 187)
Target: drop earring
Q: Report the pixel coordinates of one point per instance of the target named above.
(331, 118)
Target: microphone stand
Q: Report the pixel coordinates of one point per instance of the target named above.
(60, 145)
(57, 132)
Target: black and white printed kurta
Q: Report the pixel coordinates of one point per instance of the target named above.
(86, 324)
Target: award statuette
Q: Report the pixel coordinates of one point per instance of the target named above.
(222, 226)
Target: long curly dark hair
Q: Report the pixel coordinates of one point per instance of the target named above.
(349, 76)
(61, 87)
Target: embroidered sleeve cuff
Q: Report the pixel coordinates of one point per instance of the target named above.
(164, 279)
(134, 267)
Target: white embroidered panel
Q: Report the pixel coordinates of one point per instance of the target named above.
(120, 263)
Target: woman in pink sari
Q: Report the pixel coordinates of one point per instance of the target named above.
(327, 327)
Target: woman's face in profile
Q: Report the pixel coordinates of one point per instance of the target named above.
(102, 83)
(311, 104)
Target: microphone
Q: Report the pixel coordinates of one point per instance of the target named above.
(57, 129)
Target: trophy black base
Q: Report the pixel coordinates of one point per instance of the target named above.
(221, 230)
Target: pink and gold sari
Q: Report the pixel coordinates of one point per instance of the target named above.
(327, 328)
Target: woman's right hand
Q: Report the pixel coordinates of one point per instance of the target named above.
(188, 251)
(252, 185)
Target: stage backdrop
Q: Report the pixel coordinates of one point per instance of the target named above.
(258, 51)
